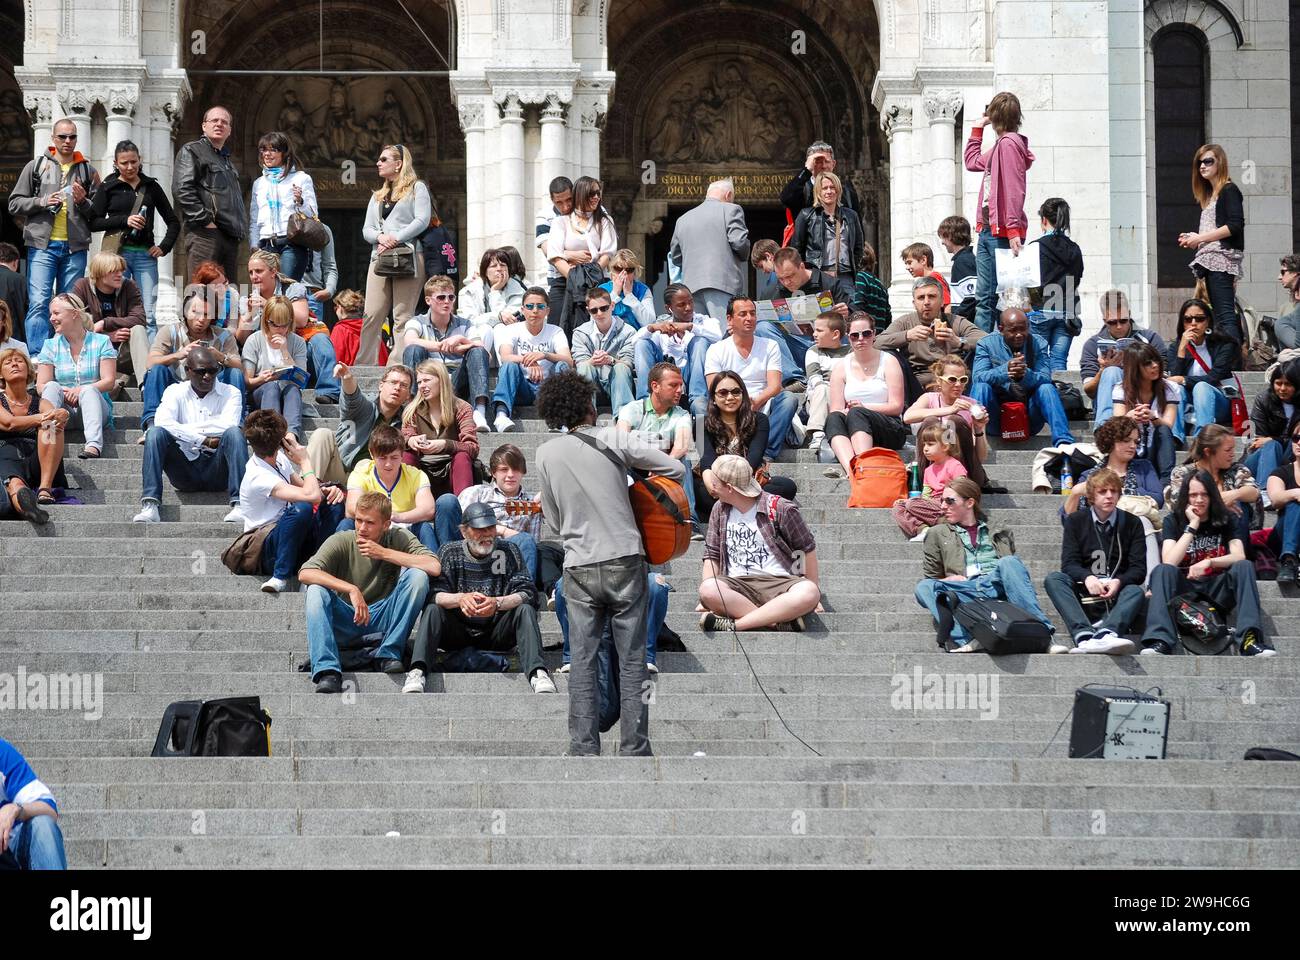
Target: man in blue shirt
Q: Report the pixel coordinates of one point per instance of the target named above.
(29, 817)
(1012, 365)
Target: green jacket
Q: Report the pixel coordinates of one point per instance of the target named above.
(944, 554)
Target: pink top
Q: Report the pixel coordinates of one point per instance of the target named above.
(937, 475)
(933, 401)
(1005, 162)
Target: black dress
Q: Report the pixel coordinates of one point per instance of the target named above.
(18, 449)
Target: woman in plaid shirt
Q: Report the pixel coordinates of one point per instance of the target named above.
(75, 370)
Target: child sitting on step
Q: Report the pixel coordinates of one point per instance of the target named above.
(938, 444)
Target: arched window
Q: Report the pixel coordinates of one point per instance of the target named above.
(1181, 68)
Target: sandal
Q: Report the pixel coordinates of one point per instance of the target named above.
(90, 453)
(45, 496)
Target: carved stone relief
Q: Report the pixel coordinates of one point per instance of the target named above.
(330, 121)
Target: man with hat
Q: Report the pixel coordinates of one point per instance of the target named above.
(484, 598)
(760, 560)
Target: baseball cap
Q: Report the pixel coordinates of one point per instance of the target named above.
(479, 516)
(737, 473)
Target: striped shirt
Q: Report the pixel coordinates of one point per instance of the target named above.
(872, 297)
(84, 369)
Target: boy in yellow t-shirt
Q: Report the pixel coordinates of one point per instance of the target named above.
(406, 486)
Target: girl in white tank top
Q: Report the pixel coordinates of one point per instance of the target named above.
(873, 389)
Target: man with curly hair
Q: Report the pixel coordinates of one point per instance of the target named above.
(584, 500)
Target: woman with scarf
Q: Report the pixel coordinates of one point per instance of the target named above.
(277, 194)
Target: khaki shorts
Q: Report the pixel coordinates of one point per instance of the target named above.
(759, 588)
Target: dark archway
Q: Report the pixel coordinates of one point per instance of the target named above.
(1181, 59)
(15, 120)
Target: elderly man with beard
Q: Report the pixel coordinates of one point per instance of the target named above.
(484, 598)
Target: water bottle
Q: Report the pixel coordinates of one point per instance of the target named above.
(1067, 478)
(913, 480)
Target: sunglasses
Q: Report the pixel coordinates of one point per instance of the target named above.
(605, 309)
(65, 136)
(1116, 323)
(955, 380)
(277, 326)
(1296, 438)
(1195, 318)
(1206, 162)
(728, 393)
(535, 306)
(444, 297)
(862, 335)
(949, 501)
(203, 371)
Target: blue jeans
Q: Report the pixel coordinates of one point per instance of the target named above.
(1210, 405)
(469, 374)
(647, 354)
(1008, 581)
(293, 260)
(213, 469)
(655, 614)
(781, 411)
(330, 627)
(284, 398)
(143, 269)
(1050, 325)
(52, 270)
(1044, 406)
(986, 279)
(1265, 460)
(320, 364)
(297, 535)
(614, 381)
(793, 349)
(160, 377)
(1290, 524)
(513, 386)
(37, 844)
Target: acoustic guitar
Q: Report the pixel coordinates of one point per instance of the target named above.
(659, 505)
(523, 508)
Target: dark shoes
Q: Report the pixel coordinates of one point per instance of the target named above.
(330, 682)
(390, 666)
(1288, 570)
(30, 508)
(1157, 646)
(329, 400)
(1253, 645)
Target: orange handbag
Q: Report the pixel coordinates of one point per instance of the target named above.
(878, 479)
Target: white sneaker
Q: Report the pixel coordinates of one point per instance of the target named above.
(1057, 648)
(480, 421)
(564, 668)
(542, 682)
(503, 424)
(234, 516)
(550, 604)
(274, 585)
(414, 681)
(651, 668)
(920, 537)
(971, 646)
(1110, 642)
(816, 438)
(148, 513)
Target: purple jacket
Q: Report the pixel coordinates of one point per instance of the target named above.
(1007, 160)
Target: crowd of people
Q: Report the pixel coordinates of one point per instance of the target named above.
(394, 528)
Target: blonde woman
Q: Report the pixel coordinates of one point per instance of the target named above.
(827, 235)
(398, 214)
(116, 309)
(1220, 239)
(267, 352)
(439, 431)
(634, 302)
(31, 440)
(76, 369)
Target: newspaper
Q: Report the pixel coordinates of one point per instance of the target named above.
(794, 314)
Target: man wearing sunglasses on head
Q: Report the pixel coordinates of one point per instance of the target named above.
(1100, 365)
(927, 334)
(438, 334)
(529, 352)
(195, 438)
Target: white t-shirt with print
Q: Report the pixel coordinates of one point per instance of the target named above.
(747, 551)
(550, 339)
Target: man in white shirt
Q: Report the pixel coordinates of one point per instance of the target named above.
(603, 350)
(758, 363)
(529, 352)
(680, 335)
(195, 438)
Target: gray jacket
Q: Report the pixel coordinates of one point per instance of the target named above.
(29, 203)
(324, 272)
(206, 189)
(407, 221)
(710, 246)
(359, 416)
(618, 342)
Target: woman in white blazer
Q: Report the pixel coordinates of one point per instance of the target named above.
(398, 213)
(491, 297)
(282, 188)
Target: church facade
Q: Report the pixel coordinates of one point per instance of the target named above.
(658, 97)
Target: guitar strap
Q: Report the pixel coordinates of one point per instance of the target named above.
(662, 498)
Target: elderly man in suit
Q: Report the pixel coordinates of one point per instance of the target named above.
(709, 248)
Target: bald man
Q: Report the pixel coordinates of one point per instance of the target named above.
(1012, 365)
(709, 250)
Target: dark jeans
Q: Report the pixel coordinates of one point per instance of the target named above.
(1124, 612)
(1161, 451)
(450, 630)
(556, 288)
(214, 469)
(293, 260)
(1234, 588)
(1223, 303)
(614, 593)
(655, 614)
(469, 374)
(297, 535)
(204, 244)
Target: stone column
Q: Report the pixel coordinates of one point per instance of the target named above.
(896, 119)
(510, 227)
(550, 160)
(42, 106)
(158, 157)
(472, 123)
(120, 106)
(941, 107)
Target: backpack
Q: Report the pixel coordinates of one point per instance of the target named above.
(81, 166)
(878, 478)
(1200, 625)
(787, 234)
(230, 727)
(1262, 346)
(1080, 463)
(1001, 627)
(1071, 400)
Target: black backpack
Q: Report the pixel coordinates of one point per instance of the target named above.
(1002, 627)
(1201, 625)
(230, 727)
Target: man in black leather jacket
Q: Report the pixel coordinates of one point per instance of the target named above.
(208, 196)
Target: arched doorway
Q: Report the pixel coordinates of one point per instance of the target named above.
(735, 89)
(15, 122)
(341, 79)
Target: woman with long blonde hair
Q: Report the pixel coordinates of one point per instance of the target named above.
(1220, 240)
(268, 352)
(398, 214)
(438, 428)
